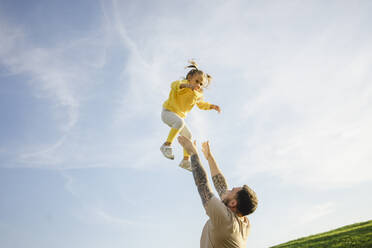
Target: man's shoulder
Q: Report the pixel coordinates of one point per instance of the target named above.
(215, 201)
(216, 209)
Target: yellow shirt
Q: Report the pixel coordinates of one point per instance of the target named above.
(181, 101)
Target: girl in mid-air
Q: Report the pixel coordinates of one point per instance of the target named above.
(183, 96)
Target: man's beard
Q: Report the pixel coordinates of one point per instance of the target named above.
(226, 201)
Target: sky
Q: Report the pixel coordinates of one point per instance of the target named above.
(82, 87)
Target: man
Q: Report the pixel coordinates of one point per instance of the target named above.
(228, 226)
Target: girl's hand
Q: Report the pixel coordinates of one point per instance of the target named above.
(216, 107)
(206, 149)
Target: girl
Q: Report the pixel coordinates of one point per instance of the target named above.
(183, 96)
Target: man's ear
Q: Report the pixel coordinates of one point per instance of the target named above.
(233, 203)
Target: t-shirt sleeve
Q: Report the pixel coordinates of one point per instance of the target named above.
(203, 105)
(217, 211)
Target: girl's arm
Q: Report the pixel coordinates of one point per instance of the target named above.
(207, 106)
(188, 86)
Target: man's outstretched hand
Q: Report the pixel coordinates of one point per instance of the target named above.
(188, 145)
(206, 149)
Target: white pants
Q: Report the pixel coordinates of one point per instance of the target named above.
(174, 121)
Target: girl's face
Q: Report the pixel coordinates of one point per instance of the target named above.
(197, 80)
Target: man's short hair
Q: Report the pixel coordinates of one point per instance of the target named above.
(247, 200)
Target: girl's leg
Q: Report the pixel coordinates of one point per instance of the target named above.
(172, 134)
(175, 122)
(185, 132)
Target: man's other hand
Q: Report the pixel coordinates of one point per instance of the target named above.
(188, 145)
(206, 149)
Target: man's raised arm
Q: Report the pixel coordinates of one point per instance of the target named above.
(219, 180)
(198, 171)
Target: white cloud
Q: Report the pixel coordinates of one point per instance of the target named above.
(70, 184)
(313, 120)
(42, 155)
(61, 75)
(47, 75)
(110, 219)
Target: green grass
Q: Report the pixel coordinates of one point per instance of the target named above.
(352, 236)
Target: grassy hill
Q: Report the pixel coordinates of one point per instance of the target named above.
(352, 236)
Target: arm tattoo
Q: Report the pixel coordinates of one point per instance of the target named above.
(201, 180)
(220, 184)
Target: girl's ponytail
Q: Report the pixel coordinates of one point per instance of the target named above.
(192, 65)
(209, 79)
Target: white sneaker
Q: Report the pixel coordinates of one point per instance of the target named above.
(185, 164)
(167, 151)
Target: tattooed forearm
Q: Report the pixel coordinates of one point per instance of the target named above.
(205, 194)
(201, 180)
(220, 184)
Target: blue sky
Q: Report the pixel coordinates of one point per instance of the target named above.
(82, 84)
